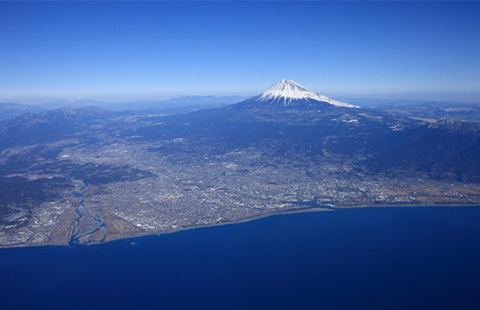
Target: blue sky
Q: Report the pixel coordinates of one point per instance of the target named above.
(129, 50)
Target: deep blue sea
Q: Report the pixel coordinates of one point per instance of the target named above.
(373, 258)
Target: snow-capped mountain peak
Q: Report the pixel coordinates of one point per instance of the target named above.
(288, 91)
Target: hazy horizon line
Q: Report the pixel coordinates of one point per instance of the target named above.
(461, 97)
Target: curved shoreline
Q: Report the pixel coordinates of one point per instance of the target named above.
(288, 212)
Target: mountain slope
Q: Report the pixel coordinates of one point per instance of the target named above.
(49, 125)
(289, 94)
(10, 110)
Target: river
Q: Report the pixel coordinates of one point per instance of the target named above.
(89, 227)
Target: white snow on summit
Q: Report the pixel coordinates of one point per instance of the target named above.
(288, 91)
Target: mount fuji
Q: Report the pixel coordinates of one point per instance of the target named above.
(289, 94)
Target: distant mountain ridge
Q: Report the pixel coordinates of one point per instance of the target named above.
(73, 103)
(9, 110)
(48, 125)
(175, 104)
(168, 105)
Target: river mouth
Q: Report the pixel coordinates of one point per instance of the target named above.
(89, 226)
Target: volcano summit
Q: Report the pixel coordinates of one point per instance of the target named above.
(288, 93)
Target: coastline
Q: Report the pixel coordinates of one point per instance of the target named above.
(286, 212)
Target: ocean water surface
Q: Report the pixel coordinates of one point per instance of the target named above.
(372, 258)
